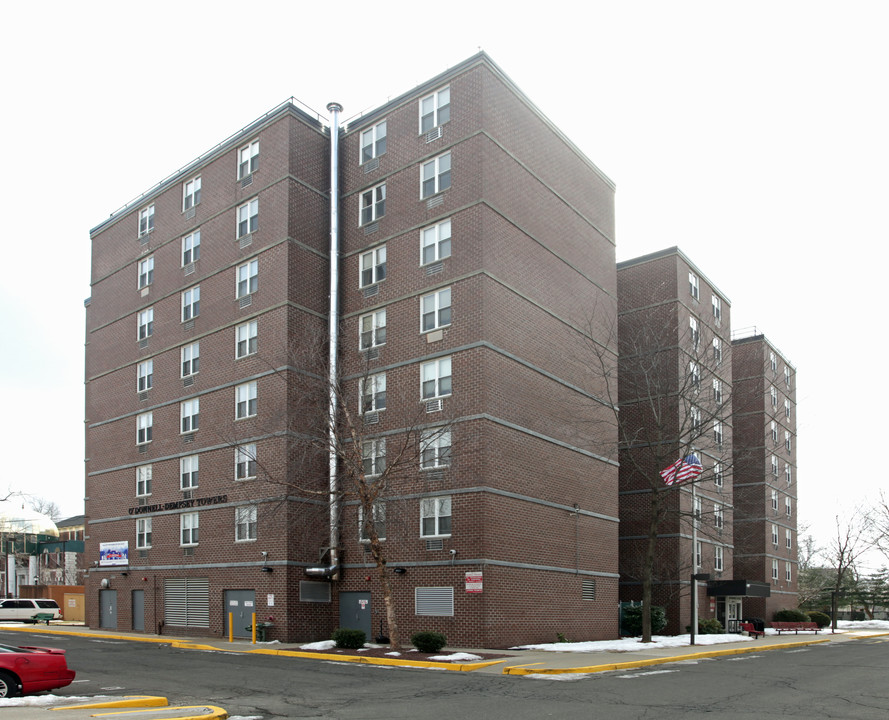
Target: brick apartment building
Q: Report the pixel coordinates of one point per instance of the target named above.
(766, 539)
(470, 231)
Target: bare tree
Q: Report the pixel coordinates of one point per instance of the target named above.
(845, 549)
(880, 525)
(45, 507)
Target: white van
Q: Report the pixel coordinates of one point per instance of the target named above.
(24, 610)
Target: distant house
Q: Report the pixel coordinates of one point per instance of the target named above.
(60, 562)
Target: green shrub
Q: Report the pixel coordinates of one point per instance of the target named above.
(711, 626)
(428, 641)
(633, 620)
(791, 615)
(858, 615)
(349, 638)
(820, 618)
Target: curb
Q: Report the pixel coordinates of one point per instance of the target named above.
(126, 701)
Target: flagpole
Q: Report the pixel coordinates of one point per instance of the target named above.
(694, 562)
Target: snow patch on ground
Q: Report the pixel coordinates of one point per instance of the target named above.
(48, 700)
(456, 657)
(634, 644)
(319, 646)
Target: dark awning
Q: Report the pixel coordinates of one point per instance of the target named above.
(738, 588)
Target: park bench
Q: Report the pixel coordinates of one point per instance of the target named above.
(795, 626)
(42, 617)
(750, 629)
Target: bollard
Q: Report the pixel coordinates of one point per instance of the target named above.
(253, 628)
(231, 628)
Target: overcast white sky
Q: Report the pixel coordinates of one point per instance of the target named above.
(755, 136)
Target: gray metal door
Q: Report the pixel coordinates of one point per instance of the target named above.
(139, 610)
(108, 609)
(241, 604)
(355, 612)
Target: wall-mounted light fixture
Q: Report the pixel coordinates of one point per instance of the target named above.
(399, 570)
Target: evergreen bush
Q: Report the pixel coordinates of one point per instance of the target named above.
(820, 618)
(791, 615)
(348, 638)
(711, 626)
(633, 619)
(427, 641)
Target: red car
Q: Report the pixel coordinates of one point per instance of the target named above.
(32, 669)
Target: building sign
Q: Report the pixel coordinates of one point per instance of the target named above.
(114, 553)
(178, 505)
(473, 582)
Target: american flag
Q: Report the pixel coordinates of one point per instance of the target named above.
(687, 468)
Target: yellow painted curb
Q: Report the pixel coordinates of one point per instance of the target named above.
(127, 701)
(213, 713)
(393, 662)
(657, 661)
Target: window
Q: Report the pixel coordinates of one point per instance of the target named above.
(694, 332)
(189, 412)
(191, 193)
(718, 516)
(146, 220)
(188, 529)
(774, 569)
(373, 393)
(717, 390)
(773, 431)
(373, 267)
(699, 509)
(717, 308)
(143, 533)
(788, 506)
(245, 523)
(144, 423)
(143, 480)
(774, 465)
(378, 518)
(788, 473)
(435, 449)
(144, 375)
(717, 433)
(189, 467)
(373, 142)
(246, 339)
(435, 517)
(787, 376)
(373, 457)
(773, 361)
(146, 272)
(774, 535)
(435, 378)
(788, 538)
(372, 205)
(245, 461)
(145, 324)
(717, 351)
(787, 572)
(694, 374)
(435, 310)
(248, 160)
(773, 394)
(435, 243)
(247, 278)
(190, 356)
(191, 303)
(248, 217)
(775, 500)
(435, 109)
(372, 330)
(694, 288)
(718, 474)
(786, 407)
(694, 416)
(191, 248)
(699, 554)
(787, 442)
(435, 176)
(717, 558)
(245, 400)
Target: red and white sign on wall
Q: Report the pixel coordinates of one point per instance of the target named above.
(473, 582)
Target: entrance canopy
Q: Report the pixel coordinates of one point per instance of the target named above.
(738, 588)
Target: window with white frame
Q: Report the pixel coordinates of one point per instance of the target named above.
(373, 142)
(774, 500)
(188, 528)
(143, 480)
(191, 303)
(373, 393)
(435, 243)
(699, 554)
(246, 337)
(373, 457)
(435, 109)
(435, 516)
(190, 359)
(788, 473)
(372, 204)
(694, 417)
(694, 287)
(435, 310)
(774, 535)
(245, 523)
(717, 351)
(435, 176)
(248, 159)
(189, 469)
(146, 272)
(435, 449)
(694, 375)
(189, 414)
(718, 474)
(718, 558)
(775, 465)
(248, 217)
(698, 509)
(717, 390)
(247, 279)
(717, 433)
(718, 516)
(245, 400)
(143, 533)
(773, 394)
(774, 569)
(378, 519)
(787, 376)
(435, 378)
(694, 331)
(372, 330)
(144, 426)
(788, 574)
(788, 538)
(788, 506)
(144, 375)
(146, 220)
(191, 193)
(787, 440)
(773, 431)
(717, 308)
(372, 266)
(773, 361)
(786, 407)
(245, 461)
(191, 248)
(145, 324)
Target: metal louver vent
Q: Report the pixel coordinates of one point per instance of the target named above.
(588, 590)
(434, 601)
(189, 214)
(187, 494)
(434, 201)
(247, 181)
(245, 301)
(189, 269)
(188, 551)
(371, 290)
(371, 418)
(314, 591)
(188, 324)
(245, 241)
(141, 501)
(143, 396)
(188, 438)
(371, 165)
(144, 239)
(143, 449)
(434, 268)
(433, 405)
(433, 134)
(371, 228)
(434, 545)
(143, 553)
(188, 382)
(434, 475)
(372, 354)
(143, 344)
